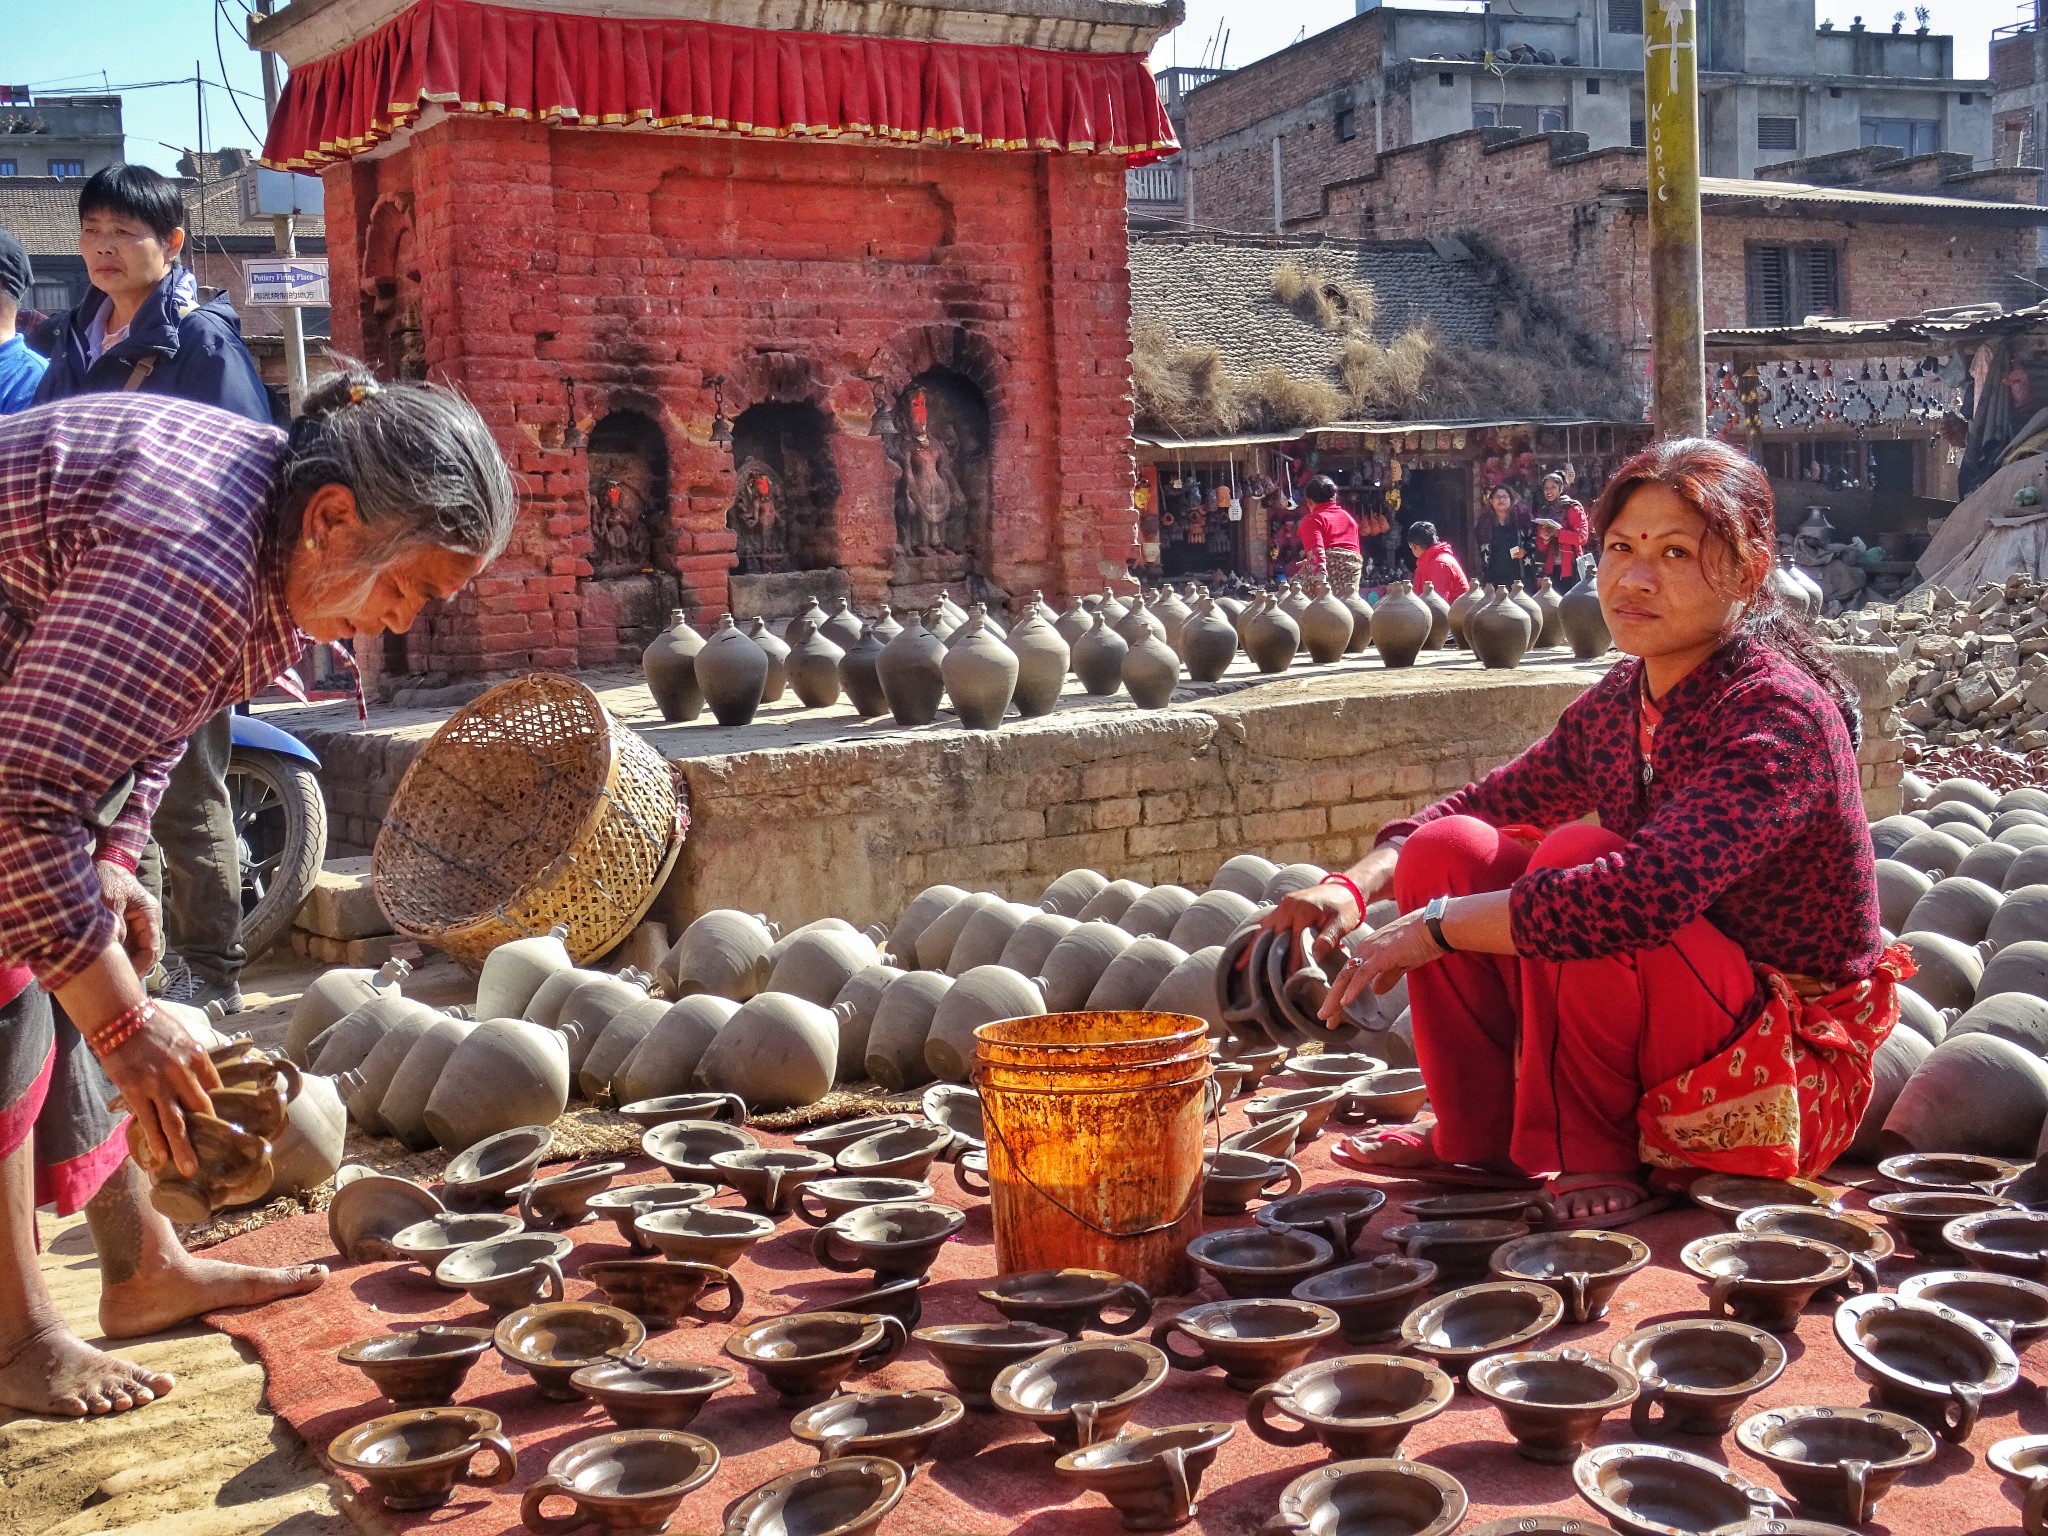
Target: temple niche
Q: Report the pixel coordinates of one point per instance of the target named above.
(940, 447)
(389, 294)
(785, 490)
(628, 464)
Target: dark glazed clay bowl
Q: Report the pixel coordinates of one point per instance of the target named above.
(1354, 1405)
(665, 1291)
(1465, 1325)
(1152, 1476)
(1461, 1250)
(1921, 1214)
(806, 1355)
(666, 1110)
(2017, 1308)
(1252, 1341)
(418, 1369)
(626, 1483)
(698, 1234)
(2023, 1460)
(1728, 1195)
(1314, 1105)
(685, 1148)
(1337, 1213)
(413, 1460)
(827, 1200)
(1552, 1401)
(554, 1341)
(651, 1394)
(1948, 1170)
(487, 1173)
(1648, 1490)
(973, 1354)
(1929, 1362)
(621, 1206)
(371, 1209)
(1370, 1497)
(1370, 1298)
(1071, 1300)
(1585, 1267)
(1836, 1462)
(835, 1498)
(1531, 1206)
(1231, 1180)
(1700, 1371)
(2009, 1242)
(1081, 1392)
(898, 1425)
(1764, 1281)
(896, 1242)
(1259, 1261)
(427, 1243)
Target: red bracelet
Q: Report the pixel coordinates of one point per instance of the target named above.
(122, 1028)
(1350, 885)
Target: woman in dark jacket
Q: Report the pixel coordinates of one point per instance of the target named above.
(1503, 534)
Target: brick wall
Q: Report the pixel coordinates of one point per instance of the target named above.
(643, 265)
(1244, 98)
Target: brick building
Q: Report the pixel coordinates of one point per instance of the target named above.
(68, 137)
(865, 329)
(2019, 101)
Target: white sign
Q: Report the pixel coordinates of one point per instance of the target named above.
(265, 191)
(284, 281)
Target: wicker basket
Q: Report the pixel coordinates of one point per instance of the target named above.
(531, 807)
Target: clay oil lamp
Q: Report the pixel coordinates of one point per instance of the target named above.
(668, 1109)
(1152, 1476)
(1952, 1171)
(1260, 1261)
(1532, 1206)
(1071, 1300)
(413, 1460)
(1231, 1180)
(1579, 1525)
(698, 1234)
(1836, 1462)
(1700, 1372)
(626, 1483)
(504, 1274)
(768, 1179)
(829, 1199)
(420, 1368)
(896, 1242)
(1260, 1058)
(900, 1299)
(1230, 1078)
(1081, 1392)
(1372, 1297)
(958, 1109)
(370, 1209)
(973, 1354)
(2023, 1462)
(1465, 1325)
(1314, 1105)
(1867, 1244)
(685, 1148)
(427, 1243)
(1648, 1490)
(650, 1394)
(1461, 1250)
(835, 1498)
(1371, 1498)
(1355, 1405)
(2009, 1242)
(563, 1199)
(902, 1154)
(1333, 1069)
(1252, 1342)
(623, 1205)
(2017, 1308)
(662, 1292)
(1585, 1267)
(1728, 1195)
(553, 1341)
(1921, 1214)
(1552, 1401)
(1393, 1096)
(806, 1355)
(898, 1425)
(487, 1173)
(1764, 1281)
(1338, 1213)
(831, 1140)
(1927, 1361)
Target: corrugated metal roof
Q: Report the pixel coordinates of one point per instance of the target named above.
(1943, 328)
(1729, 189)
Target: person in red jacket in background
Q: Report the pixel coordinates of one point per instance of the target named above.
(1329, 538)
(1573, 530)
(1436, 564)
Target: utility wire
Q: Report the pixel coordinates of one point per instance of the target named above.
(220, 10)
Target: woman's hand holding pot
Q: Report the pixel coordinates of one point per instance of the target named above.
(1378, 960)
(1330, 909)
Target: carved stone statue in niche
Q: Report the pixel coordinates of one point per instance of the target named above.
(393, 331)
(787, 491)
(757, 517)
(940, 449)
(628, 493)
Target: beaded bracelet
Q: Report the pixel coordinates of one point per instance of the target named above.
(1350, 885)
(122, 1028)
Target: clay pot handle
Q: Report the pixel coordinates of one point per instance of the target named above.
(894, 1337)
(535, 1221)
(1285, 1523)
(774, 1196)
(2035, 1516)
(1162, 1340)
(2003, 1325)
(1255, 1410)
(1129, 1294)
(1540, 1212)
(1718, 1290)
(735, 1298)
(294, 1080)
(549, 1525)
(821, 1250)
(1414, 1246)
(1337, 1233)
(832, 1447)
(551, 1279)
(1855, 1489)
(1212, 1098)
(1293, 1177)
(803, 1211)
(961, 1172)
(1642, 1417)
(1083, 1415)
(1575, 1282)
(503, 1471)
(1957, 1423)
(739, 1107)
(1177, 1489)
(1861, 1280)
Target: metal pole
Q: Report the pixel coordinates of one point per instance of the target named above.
(1672, 98)
(1278, 227)
(292, 321)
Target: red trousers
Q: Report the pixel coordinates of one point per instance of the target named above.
(1542, 1063)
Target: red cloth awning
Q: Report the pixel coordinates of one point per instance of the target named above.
(595, 72)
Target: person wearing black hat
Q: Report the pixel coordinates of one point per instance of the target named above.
(21, 368)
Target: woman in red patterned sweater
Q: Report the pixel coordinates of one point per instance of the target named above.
(1574, 988)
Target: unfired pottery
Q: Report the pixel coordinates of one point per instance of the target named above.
(732, 673)
(504, 1073)
(513, 972)
(981, 996)
(1251, 1341)
(1461, 1326)
(1372, 1496)
(777, 1052)
(1070, 893)
(1043, 656)
(815, 965)
(331, 996)
(1401, 625)
(1354, 1406)
(1927, 1361)
(910, 670)
(1271, 638)
(1372, 1298)
(776, 651)
(627, 1483)
(645, 1394)
(696, 1234)
(804, 1356)
(1764, 1281)
(1584, 1267)
(1325, 626)
(554, 1340)
(980, 673)
(903, 1021)
(413, 1460)
(1650, 1490)
(838, 1498)
(1077, 962)
(420, 1368)
(723, 952)
(664, 1063)
(1208, 642)
(1699, 1372)
(1080, 1392)
(669, 666)
(1498, 630)
(1099, 658)
(1836, 1462)
(813, 666)
(900, 1426)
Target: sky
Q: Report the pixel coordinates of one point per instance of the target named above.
(130, 44)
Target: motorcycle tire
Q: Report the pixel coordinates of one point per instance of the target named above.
(281, 827)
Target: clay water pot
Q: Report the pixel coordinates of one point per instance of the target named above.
(2017, 1308)
(984, 995)
(723, 952)
(1950, 1172)
(2013, 1016)
(409, 1024)
(1836, 1462)
(1043, 655)
(672, 1107)
(1271, 638)
(924, 908)
(1960, 908)
(1937, 853)
(503, 1274)
(669, 664)
(1326, 626)
(1247, 874)
(369, 1210)
(1990, 863)
(505, 1073)
(859, 678)
(331, 997)
(1978, 1094)
(898, 1425)
(1491, 1318)
(815, 965)
(1149, 671)
(837, 1498)
(1251, 1341)
(911, 670)
(935, 943)
(554, 1340)
(403, 1109)
(831, 1140)
(1402, 624)
(813, 665)
(1082, 1392)
(413, 1460)
(421, 1367)
(1585, 626)
(426, 1243)
(487, 1172)
(1071, 1300)
(1372, 1298)
(624, 1206)
(1648, 1490)
(769, 1178)
(1920, 1215)
(1332, 1069)
(1260, 1261)
(756, 629)
(646, 1394)
(1072, 891)
(1460, 1249)
(1356, 1405)
(685, 1148)
(1584, 1267)
(1154, 913)
(626, 1483)
(1099, 658)
(899, 1241)
(1077, 962)
(1927, 1361)
(1903, 1053)
(1519, 596)
(1461, 606)
(903, 1021)
(2023, 1461)
(1765, 1281)
(591, 1006)
(805, 1356)
(1899, 888)
(1949, 970)
(664, 1291)
(1129, 980)
(987, 934)
(1210, 920)
(1552, 1401)
(2006, 1242)
(347, 1042)
(778, 1052)
(1499, 630)
(1921, 1016)
(1231, 1180)
(1208, 643)
(1109, 904)
(1338, 1213)
(1699, 1371)
(563, 1199)
(826, 1200)
(1550, 630)
(697, 1234)
(732, 673)
(980, 673)
(1730, 1194)
(1439, 616)
(1370, 1497)
(2022, 915)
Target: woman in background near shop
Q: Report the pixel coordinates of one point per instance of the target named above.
(1568, 513)
(1329, 539)
(1502, 535)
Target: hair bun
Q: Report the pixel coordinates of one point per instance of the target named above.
(350, 384)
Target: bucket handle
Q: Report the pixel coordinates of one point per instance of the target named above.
(1213, 1112)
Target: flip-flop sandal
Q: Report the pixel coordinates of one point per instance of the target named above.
(1646, 1203)
(1464, 1175)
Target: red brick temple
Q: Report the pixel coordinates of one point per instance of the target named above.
(833, 299)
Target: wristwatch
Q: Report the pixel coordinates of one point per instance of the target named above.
(1433, 918)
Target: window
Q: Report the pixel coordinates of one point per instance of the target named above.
(1347, 125)
(1445, 77)
(1550, 120)
(1834, 93)
(52, 298)
(67, 167)
(1777, 133)
(1966, 98)
(1786, 283)
(1638, 133)
(9, 168)
(1485, 117)
(1625, 15)
(1915, 135)
(1592, 87)
(1519, 115)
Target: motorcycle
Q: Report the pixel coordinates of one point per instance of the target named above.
(280, 827)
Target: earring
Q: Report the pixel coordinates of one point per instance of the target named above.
(312, 543)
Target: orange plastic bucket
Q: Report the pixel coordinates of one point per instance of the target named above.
(1071, 1040)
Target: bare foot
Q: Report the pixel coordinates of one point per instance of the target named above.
(1588, 1198)
(53, 1371)
(161, 1298)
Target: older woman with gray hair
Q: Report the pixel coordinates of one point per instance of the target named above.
(160, 561)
